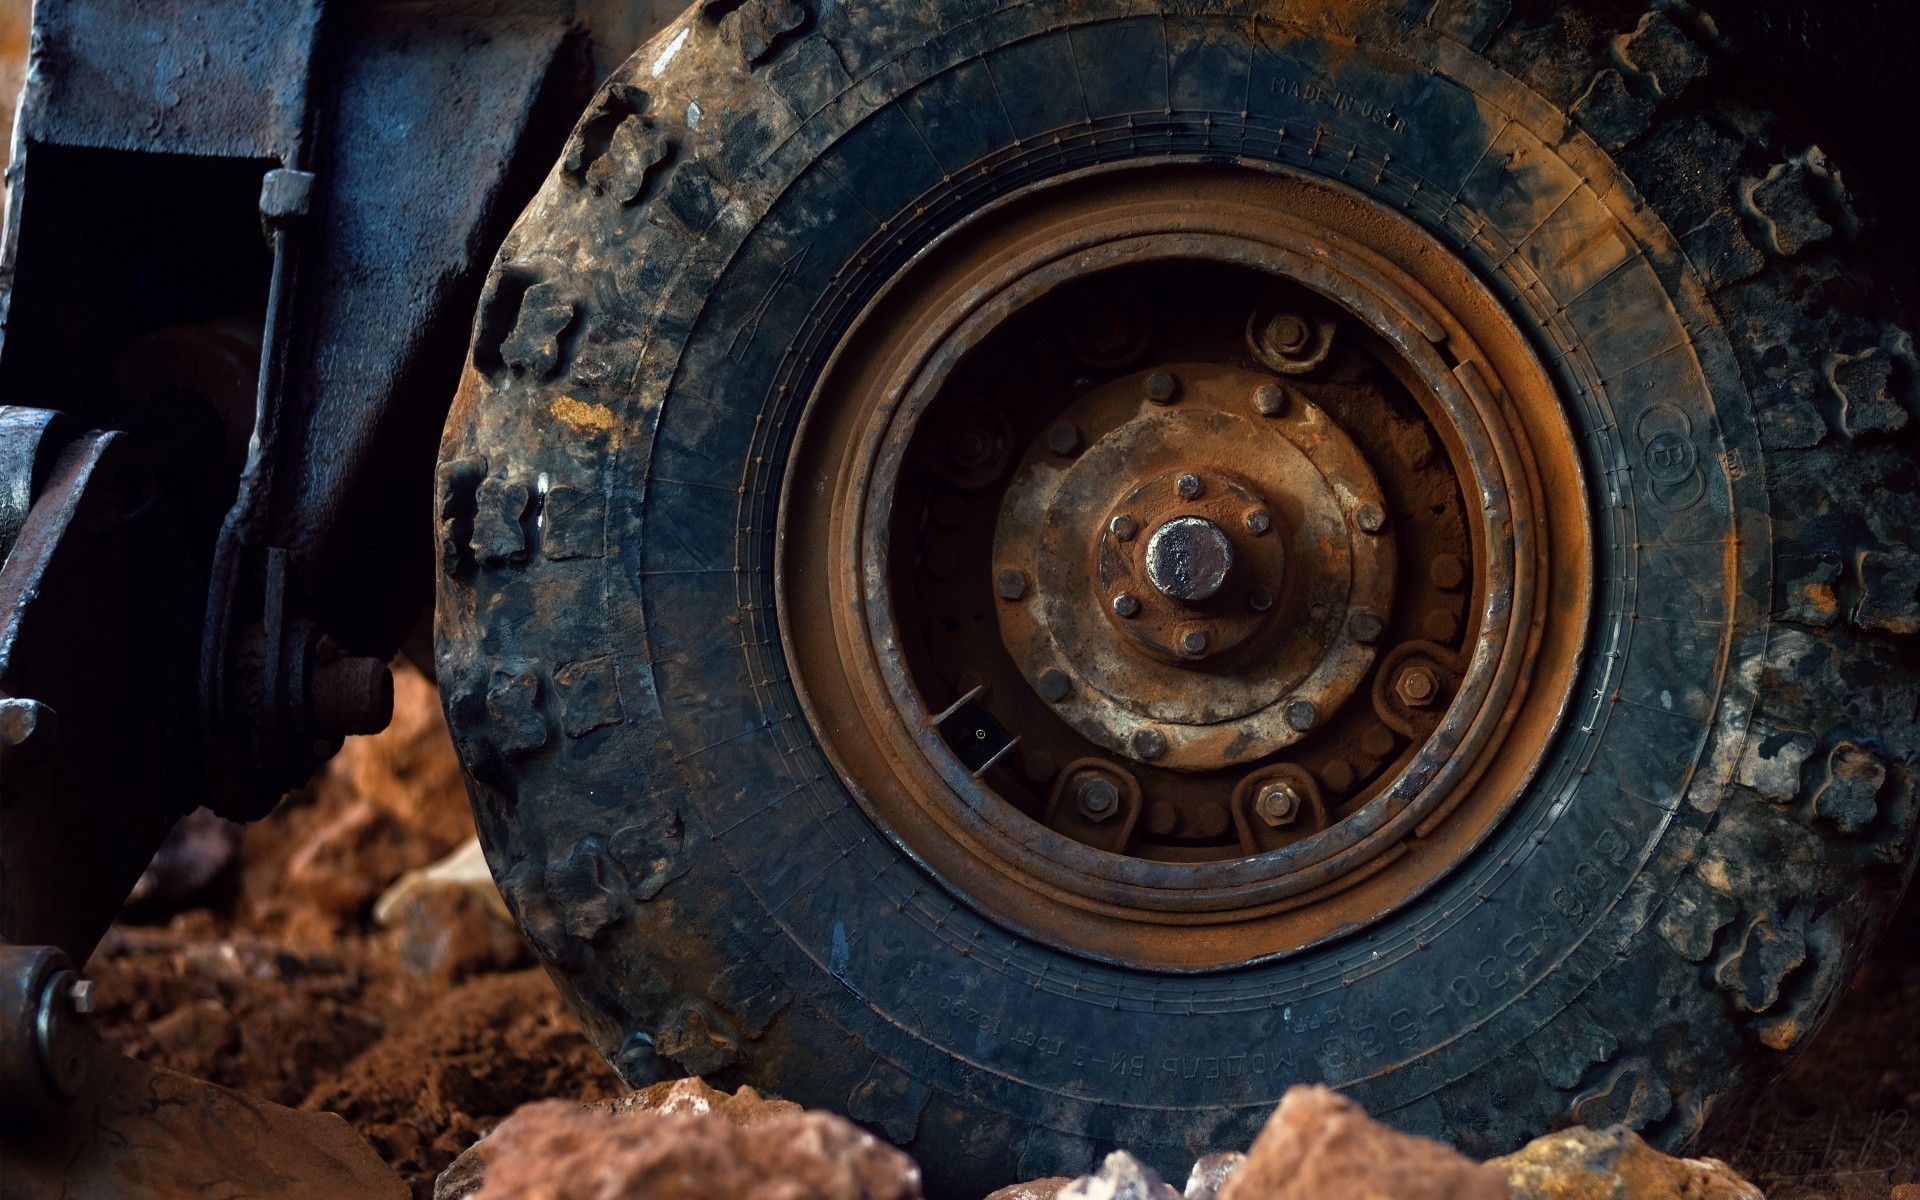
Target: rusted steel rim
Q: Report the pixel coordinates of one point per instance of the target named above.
(841, 619)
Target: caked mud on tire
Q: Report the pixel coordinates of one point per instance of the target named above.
(1714, 832)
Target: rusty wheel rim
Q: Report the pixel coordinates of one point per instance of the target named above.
(1286, 560)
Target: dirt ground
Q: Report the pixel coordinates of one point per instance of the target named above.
(277, 980)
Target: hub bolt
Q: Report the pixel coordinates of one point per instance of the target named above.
(1365, 627)
(1417, 685)
(1301, 715)
(1260, 599)
(1270, 399)
(1277, 804)
(1063, 438)
(1162, 387)
(1054, 685)
(1258, 521)
(1011, 583)
(1370, 518)
(1124, 527)
(1149, 743)
(1188, 485)
(1098, 798)
(1126, 604)
(1193, 642)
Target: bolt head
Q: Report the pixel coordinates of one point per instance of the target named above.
(1259, 520)
(1148, 743)
(1288, 332)
(1107, 330)
(1365, 627)
(1011, 583)
(1063, 438)
(1193, 642)
(1447, 572)
(1416, 685)
(1123, 527)
(1126, 604)
(1301, 715)
(1277, 804)
(1270, 399)
(1162, 387)
(1097, 797)
(1188, 485)
(970, 448)
(1054, 685)
(1370, 518)
(1260, 599)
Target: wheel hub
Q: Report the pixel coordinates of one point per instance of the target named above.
(1198, 566)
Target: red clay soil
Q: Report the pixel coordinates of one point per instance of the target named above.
(280, 983)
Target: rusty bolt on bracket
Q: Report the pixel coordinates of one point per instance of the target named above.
(970, 448)
(1162, 387)
(1063, 438)
(1258, 521)
(1126, 604)
(1193, 642)
(1277, 804)
(1097, 798)
(1011, 583)
(1370, 518)
(1417, 686)
(1149, 743)
(1124, 527)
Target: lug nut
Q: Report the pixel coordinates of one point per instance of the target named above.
(1126, 604)
(1301, 715)
(1270, 399)
(1416, 685)
(1148, 743)
(1063, 438)
(1011, 583)
(1188, 485)
(1097, 797)
(1277, 804)
(1258, 521)
(1123, 527)
(1365, 627)
(1193, 642)
(1260, 599)
(1054, 685)
(1162, 387)
(1370, 518)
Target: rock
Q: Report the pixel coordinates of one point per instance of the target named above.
(674, 1097)
(1121, 1177)
(1210, 1173)
(449, 921)
(1033, 1189)
(1319, 1144)
(198, 851)
(138, 1132)
(694, 1097)
(558, 1151)
(1614, 1164)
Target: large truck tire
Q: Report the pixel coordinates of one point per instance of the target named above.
(1037, 574)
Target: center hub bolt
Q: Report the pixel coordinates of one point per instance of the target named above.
(1188, 559)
